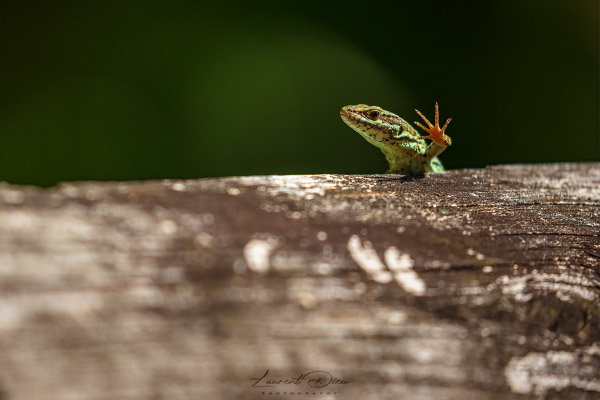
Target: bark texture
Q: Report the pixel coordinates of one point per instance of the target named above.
(471, 284)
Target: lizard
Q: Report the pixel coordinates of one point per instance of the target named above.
(404, 148)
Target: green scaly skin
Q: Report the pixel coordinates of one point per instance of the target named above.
(404, 148)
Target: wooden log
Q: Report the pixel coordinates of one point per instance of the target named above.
(470, 284)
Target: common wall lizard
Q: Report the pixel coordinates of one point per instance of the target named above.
(404, 148)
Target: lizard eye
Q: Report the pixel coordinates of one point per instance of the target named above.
(374, 115)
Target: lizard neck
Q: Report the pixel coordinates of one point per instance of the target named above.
(404, 161)
(398, 162)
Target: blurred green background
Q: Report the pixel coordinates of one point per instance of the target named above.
(187, 89)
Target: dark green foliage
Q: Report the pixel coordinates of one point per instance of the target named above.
(130, 90)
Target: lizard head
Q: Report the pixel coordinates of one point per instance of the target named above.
(379, 127)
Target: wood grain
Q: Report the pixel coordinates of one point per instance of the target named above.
(471, 284)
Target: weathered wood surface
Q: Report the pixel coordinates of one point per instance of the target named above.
(472, 284)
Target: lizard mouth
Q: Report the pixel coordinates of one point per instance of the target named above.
(366, 128)
(355, 120)
(347, 114)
